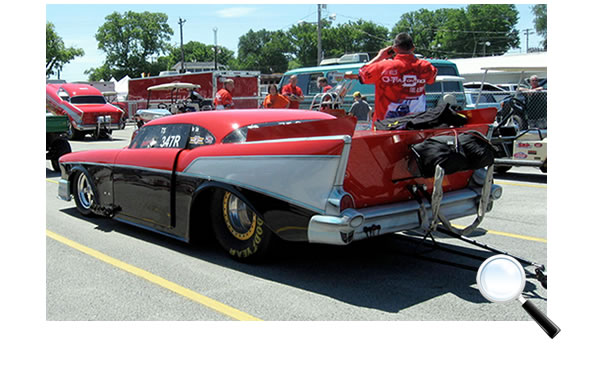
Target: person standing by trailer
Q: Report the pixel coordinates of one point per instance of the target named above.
(223, 98)
(399, 82)
(293, 92)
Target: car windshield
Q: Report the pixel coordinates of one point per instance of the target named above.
(88, 99)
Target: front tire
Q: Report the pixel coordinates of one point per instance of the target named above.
(83, 194)
(59, 148)
(238, 229)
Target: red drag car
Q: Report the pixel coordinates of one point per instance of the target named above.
(255, 174)
(86, 108)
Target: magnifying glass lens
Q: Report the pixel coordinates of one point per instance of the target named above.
(501, 280)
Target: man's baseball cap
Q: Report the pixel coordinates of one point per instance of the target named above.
(357, 94)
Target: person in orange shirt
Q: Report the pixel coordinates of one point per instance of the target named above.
(274, 99)
(223, 98)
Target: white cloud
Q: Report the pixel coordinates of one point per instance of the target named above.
(235, 12)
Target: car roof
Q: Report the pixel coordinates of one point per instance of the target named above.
(174, 86)
(222, 122)
(78, 89)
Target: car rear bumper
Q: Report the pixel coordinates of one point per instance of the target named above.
(378, 220)
(93, 127)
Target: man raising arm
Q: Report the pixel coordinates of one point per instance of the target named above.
(399, 82)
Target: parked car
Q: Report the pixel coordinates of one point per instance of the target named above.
(485, 100)
(253, 175)
(486, 87)
(86, 107)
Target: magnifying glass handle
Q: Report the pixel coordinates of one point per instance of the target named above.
(545, 323)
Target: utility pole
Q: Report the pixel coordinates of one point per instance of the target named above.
(527, 33)
(215, 31)
(181, 22)
(318, 34)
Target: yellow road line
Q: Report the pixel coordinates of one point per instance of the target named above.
(500, 233)
(521, 184)
(197, 297)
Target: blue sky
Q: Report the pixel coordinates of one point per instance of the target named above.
(77, 23)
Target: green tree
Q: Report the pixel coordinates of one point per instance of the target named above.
(195, 51)
(129, 40)
(493, 23)
(354, 37)
(266, 51)
(57, 55)
(462, 32)
(424, 27)
(540, 22)
(303, 40)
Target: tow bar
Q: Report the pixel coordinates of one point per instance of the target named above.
(539, 269)
(441, 224)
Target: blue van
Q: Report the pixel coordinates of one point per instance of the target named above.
(307, 81)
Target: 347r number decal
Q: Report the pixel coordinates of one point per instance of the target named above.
(170, 141)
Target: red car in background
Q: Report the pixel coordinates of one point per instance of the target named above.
(86, 107)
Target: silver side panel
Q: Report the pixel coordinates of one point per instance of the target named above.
(306, 181)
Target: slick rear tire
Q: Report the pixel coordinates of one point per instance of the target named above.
(238, 229)
(83, 193)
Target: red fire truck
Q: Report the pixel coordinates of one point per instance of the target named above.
(245, 95)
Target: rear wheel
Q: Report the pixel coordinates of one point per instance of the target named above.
(238, 229)
(83, 193)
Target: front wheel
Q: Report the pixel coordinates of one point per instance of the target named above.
(83, 193)
(59, 147)
(238, 229)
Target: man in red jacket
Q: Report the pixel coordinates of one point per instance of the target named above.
(293, 92)
(399, 82)
(223, 97)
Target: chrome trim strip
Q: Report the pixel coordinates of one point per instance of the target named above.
(296, 139)
(145, 227)
(162, 171)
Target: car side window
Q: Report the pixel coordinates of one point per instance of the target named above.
(200, 136)
(161, 136)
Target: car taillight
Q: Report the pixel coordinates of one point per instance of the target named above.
(346, 202)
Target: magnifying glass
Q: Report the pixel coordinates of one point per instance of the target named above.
(501, 279)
